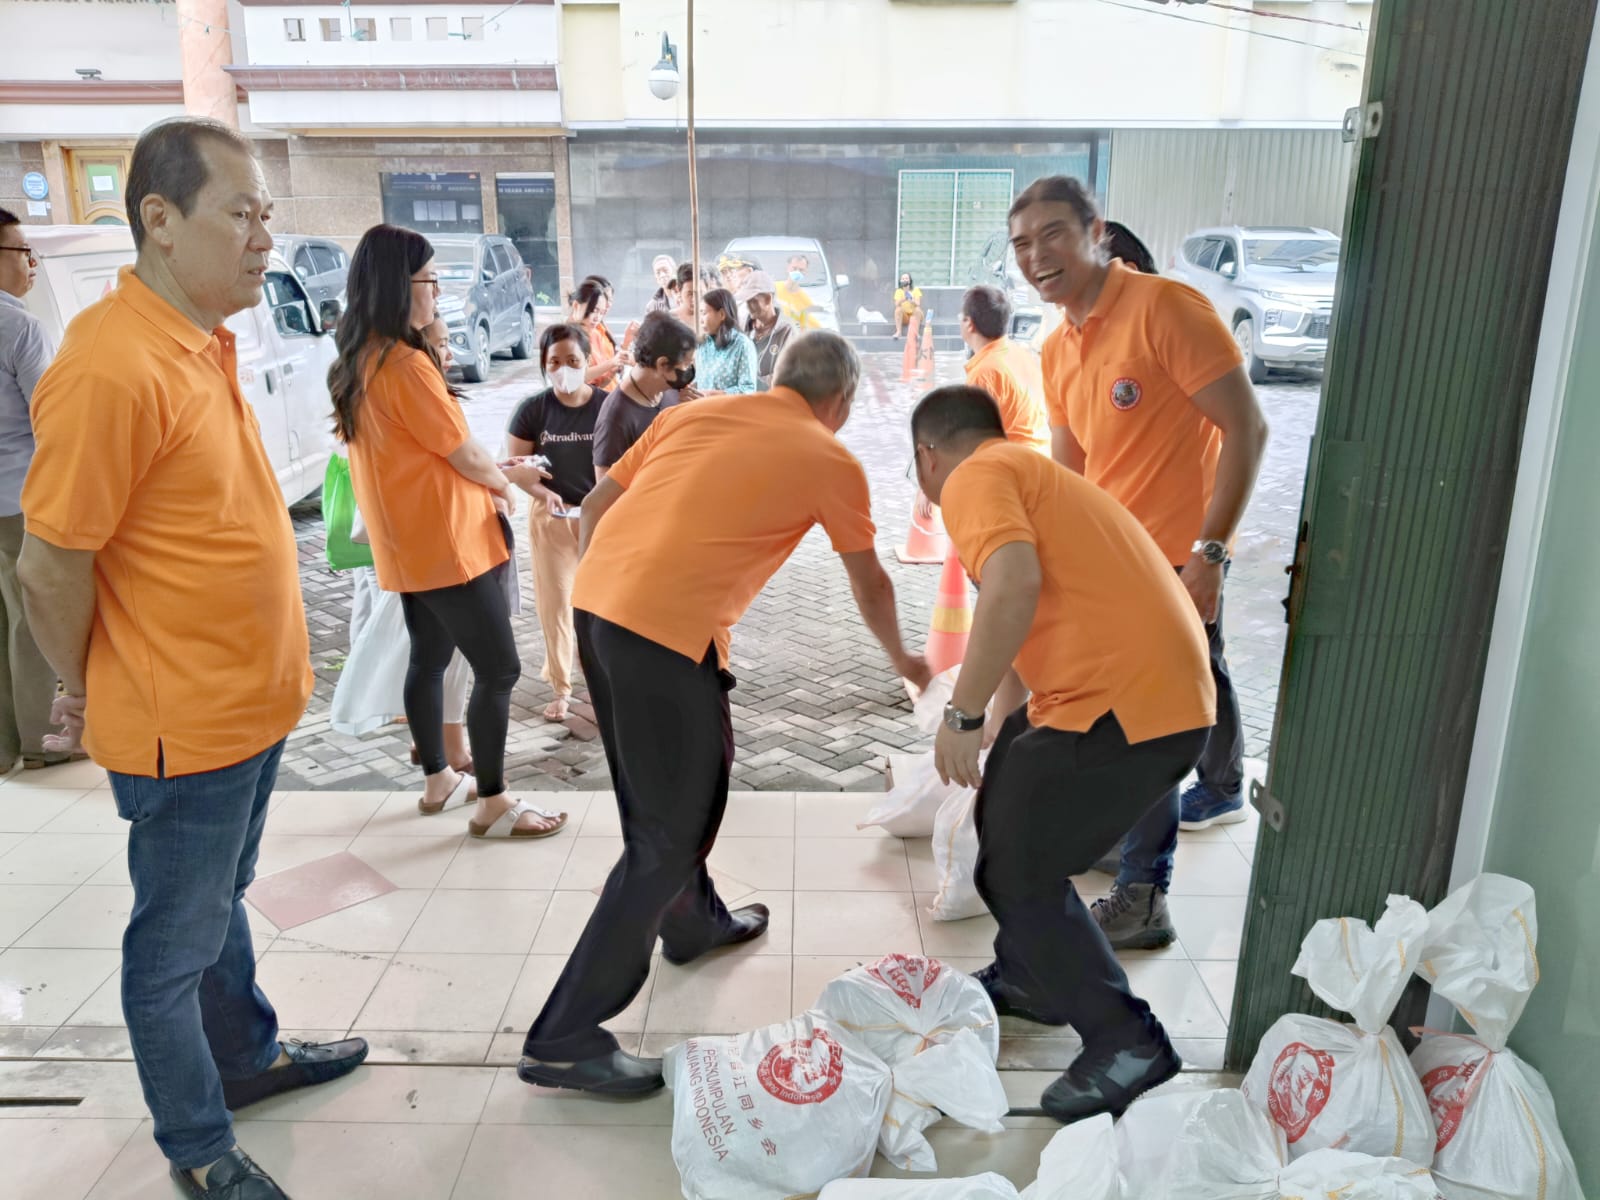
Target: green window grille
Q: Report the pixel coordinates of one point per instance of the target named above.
(946, 217)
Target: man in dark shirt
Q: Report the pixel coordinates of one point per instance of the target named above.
(660, 376)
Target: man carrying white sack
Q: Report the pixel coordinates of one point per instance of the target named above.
(1078, 596)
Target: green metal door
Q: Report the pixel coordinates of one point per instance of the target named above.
(1446, 255)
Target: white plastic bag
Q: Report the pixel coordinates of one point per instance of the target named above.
(1498, 1133)
(927, 706)
(909, 808)
(1147, 1138)
(976, 1187)
(371, 689)
(1338, 1173)
(776, 1113)
(955, 857)
(1079, 1163)
(937, 1030)
(1349, 1086)
(1228, 1149)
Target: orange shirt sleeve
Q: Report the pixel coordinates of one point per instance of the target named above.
(423, 404)
(96, 438)
(626, 468)
(1190, 340)
(846, 508)
(983, 510)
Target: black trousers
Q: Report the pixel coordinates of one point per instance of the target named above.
(1051, 804)
(476, 618)
(668, 735)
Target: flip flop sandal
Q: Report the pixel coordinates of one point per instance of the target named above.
(506, 826)
(462, 792)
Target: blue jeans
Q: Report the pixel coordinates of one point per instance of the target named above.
(195, 1015)
(1151, 846)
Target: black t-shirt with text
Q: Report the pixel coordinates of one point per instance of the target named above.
(563, 435)
(622, 423)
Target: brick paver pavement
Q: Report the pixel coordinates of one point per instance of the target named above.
(817, 706)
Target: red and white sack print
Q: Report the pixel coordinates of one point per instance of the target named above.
(775, 1113)
(937, 1030)
(1499, 1138)
(1349, 1087)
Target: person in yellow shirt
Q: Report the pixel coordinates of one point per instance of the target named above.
(907, 303)
(796, 301)
(1008, 372)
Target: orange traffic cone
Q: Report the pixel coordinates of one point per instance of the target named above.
(925, 540)
(908, 369)
(925, 362)
(952, 618)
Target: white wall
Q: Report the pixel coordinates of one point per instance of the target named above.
(525, 34)
(47, 39)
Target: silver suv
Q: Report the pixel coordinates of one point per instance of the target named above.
(487, 299)
(1272, 285)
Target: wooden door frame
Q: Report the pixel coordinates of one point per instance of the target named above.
(84, 211)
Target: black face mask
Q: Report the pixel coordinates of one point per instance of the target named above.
(682, 377)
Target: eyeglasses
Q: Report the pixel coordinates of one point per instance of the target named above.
(427, 281)
(33, 255)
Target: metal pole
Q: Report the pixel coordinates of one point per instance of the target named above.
(694, 182)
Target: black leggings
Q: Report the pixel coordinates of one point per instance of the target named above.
(474, 618)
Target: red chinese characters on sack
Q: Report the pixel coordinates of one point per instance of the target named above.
(1302, 1081)
(803, 1072)
(907, 976)
(1449, 1092)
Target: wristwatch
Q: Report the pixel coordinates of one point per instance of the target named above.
(960, 721)
(1215, 553)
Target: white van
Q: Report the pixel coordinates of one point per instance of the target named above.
(285, 347)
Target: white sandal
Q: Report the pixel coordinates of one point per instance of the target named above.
(462, 792)
(506, 825)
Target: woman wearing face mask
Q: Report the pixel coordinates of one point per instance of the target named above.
(659, 378)
(726, 364)
(588, 306)
(558, 423)
(907, 303)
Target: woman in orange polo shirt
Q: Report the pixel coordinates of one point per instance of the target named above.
(427, 491)
(589, 304)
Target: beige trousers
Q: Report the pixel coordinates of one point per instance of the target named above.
(27, 682)
(554, 543)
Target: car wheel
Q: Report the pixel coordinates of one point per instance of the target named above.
(1245, 334)
(523, 346)
(476, 369)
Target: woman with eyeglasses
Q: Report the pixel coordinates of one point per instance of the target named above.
(427, 491)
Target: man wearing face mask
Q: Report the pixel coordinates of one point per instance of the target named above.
(792, 295)
(676, 542)
(907, 303)
(659, 378)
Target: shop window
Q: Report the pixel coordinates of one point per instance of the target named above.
(946, 219)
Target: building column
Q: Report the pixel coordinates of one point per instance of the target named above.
(564, 257)
(207, 48)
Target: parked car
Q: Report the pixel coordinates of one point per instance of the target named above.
(772, 255)
(487, 299)
(283, 345)
(1273, 286)
(320, 264)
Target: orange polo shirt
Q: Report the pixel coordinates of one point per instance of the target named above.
(1114, 630)
(1012, 375)
(430, 526)
(602, 348)
(719, 493)
(1121, 383)
(149, 456)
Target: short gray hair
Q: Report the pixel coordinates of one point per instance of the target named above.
(818, 365)
(167, 162)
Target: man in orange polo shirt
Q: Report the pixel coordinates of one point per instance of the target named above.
(162, 583)
(1008, 372)
(1077, 597)
(676, 541)
(1149, 399)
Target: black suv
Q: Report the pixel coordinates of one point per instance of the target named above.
(487, 299)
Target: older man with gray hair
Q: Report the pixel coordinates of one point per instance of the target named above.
(676, 541)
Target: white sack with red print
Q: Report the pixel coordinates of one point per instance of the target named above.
(1498, 1134)
(1349, 1087)
(937, 1029)
(776, 1113)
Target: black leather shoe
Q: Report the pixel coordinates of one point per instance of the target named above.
(1106, 1079)
(308, 1064)
(619, 1074)
(234, 1176)
(749, 922)
(1008, 1001)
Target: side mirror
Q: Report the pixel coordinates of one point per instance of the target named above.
(488, 275)
(841, 281)
(1229, 270)
(328, 314)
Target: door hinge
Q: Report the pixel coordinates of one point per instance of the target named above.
(1268, 805)
(1363, 122)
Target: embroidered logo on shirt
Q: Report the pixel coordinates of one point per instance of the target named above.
(1125, 393)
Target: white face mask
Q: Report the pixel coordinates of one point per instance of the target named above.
(568, 380)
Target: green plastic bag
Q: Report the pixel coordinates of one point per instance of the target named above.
(338, 514)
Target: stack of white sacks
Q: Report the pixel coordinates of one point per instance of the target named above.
(1327, 1109)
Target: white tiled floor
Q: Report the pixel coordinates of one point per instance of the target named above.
(444, 974)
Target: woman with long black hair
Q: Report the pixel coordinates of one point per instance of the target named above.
(588, 305)
(726, 363)
(427, 490)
